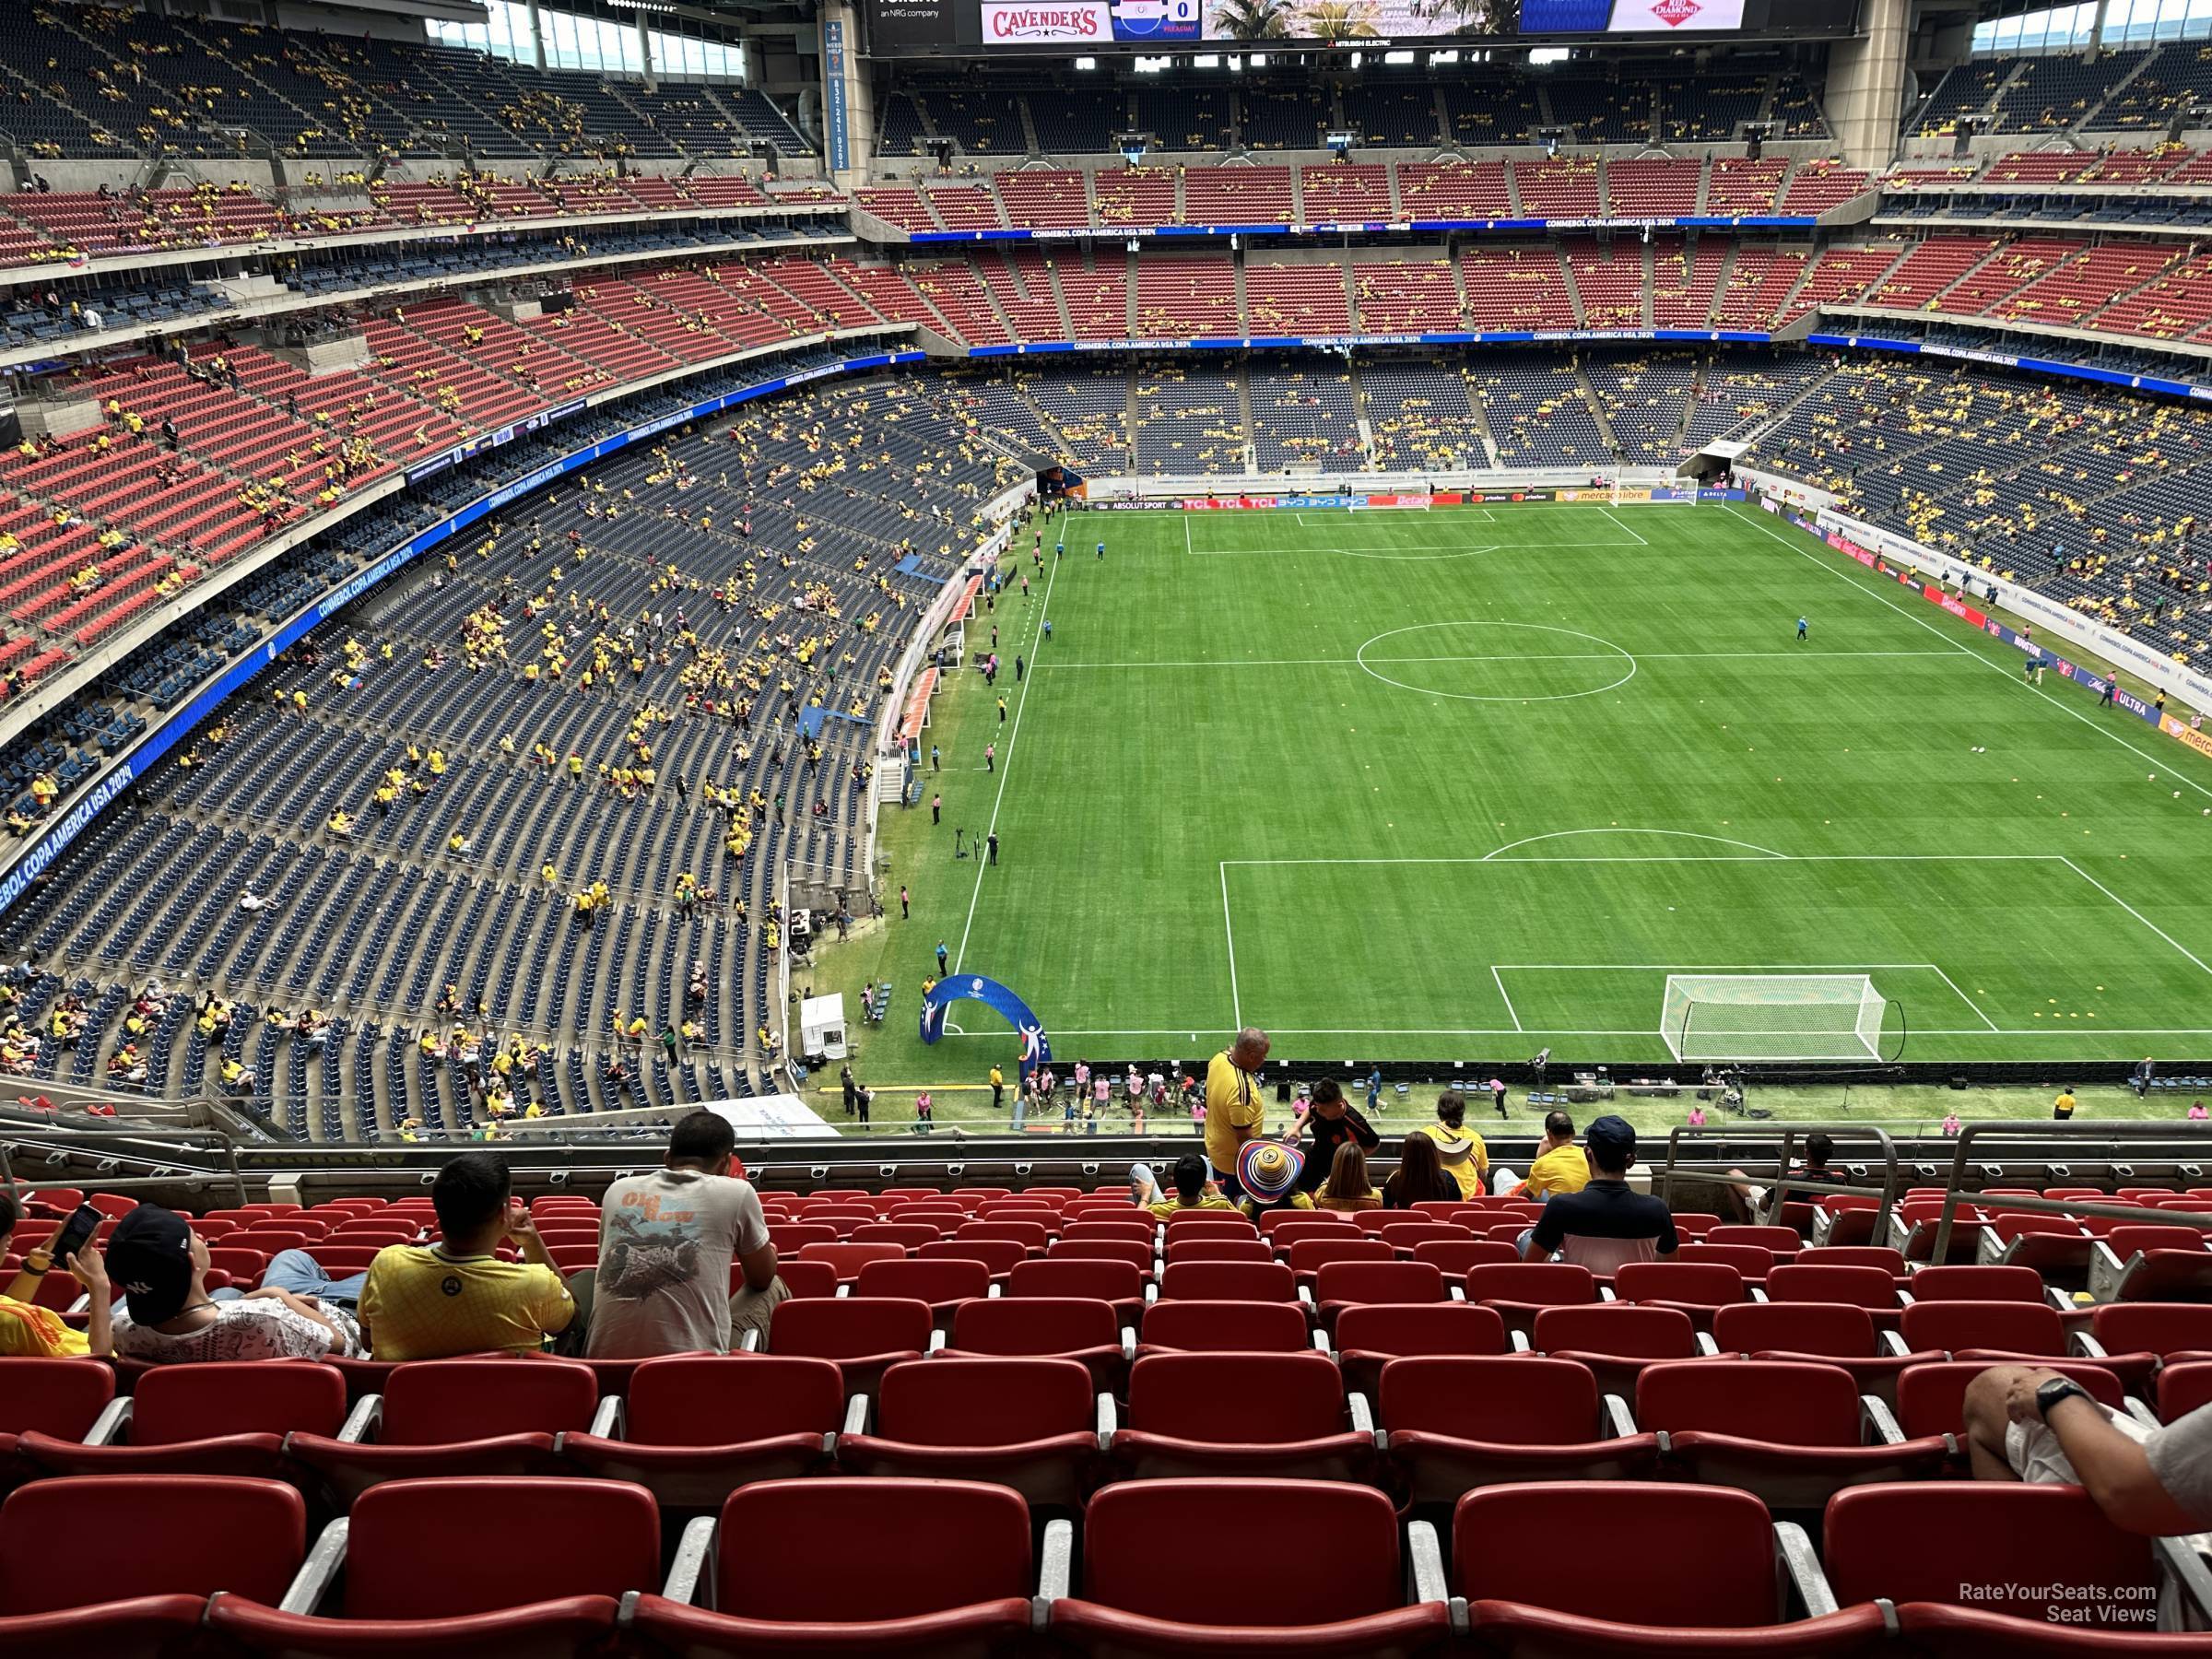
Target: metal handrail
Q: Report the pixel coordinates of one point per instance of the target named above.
(1785, 1184)
(189, 1178)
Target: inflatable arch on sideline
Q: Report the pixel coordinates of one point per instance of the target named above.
(1036, 1048)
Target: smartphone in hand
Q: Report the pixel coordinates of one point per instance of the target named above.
(83, 1221)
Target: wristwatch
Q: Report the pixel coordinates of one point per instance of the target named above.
(2048, 1394)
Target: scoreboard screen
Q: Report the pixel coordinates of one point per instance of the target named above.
(1645, 18)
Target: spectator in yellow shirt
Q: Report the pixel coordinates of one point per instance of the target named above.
(29, 1332)
(1560, 1165)
(1459, 1148)
(1193, 1190)
(457, 1296)
(1236, 1109)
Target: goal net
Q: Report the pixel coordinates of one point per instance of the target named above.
(1772, 1017)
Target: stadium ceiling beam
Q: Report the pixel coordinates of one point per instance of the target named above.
(718, 15)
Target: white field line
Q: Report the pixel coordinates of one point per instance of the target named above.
(1500, 981)
(2137, 915)
(1563, 656)
(1236, 1006)
(1615, 521)
(1006, 766)
(1963, 997)
(1185, 1033)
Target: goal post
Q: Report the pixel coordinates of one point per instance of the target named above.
(1772, 1016)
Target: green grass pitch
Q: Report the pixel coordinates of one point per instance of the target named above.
(1466, 782)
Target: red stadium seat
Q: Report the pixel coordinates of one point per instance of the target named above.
(1977, 1284)
(592, 1542)
(1453, 1257)
(1032, 1236)
(1134, 1225)
(849, 1259)
(1979, 1329)
(123, 1565)
(1615, 1340)
(1234, 1248)
(1783, 1240)
(1343, 1285)
(1224, 1327)
(864, 1336)
(1832, 1333)
(61, 1398)
(943, 1285)
(1030, 1424)
(223, 1419)
(2135, 1338)
(1116, 1282)
(1228, 1281)
(2057, 1576)
(1867, 1287)
(1284, 1228)
(950, 1571)
(672, 1435)
(1729, 1592)
(1262, 1414)
(1150, 1583)
(2054, 1246)
(1369, 1335)
(1754, 1262)
(1138, 1255)
(1794, 1433)
(1519, 1290)
(1456, 1423)
(1038, 1326)
(454, 1417)
(2150, 1263)
(2184, 1388)
(905, 1234)
(1697, 1289)
(998, 1254)
(1853, 1256)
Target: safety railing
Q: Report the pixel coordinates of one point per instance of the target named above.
(110, 1150)
(1786, 1138)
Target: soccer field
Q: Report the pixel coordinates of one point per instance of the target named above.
(1467, 782)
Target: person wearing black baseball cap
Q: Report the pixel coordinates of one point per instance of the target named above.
(1607, 1223)
(160, 1266)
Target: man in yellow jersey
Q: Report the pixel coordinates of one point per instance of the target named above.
(1236, 1109)
(457, 1296)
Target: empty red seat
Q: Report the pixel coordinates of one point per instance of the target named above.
(1867, 1287)
(2184, 1388)
(1234, 1248)
(863, 1336)
(849, 1259)
(1114, 1282)
(1284, 1228)
(1032, 1236)
(2150, 1264)
(943, 1285)
(62, 1398)
(998, 1254)
(1308, 1256)
(693, 1427)
(1138, 1255)
(2049, 1244)
(1983, 1328)
(1403, 1234)
(1616, 1340)
(1853, 1256)
(1453, 1257)
(1030, 1424)
(1520, 1289)
(1263, 1415)
(223, 1419)
(1152, 1582)
(905, 1234)
(1455, 1423)
(405, 1590)
(1223, 1328)
(1228, 1281)
(1833, 1332)
(790, 1237)
(950, 1572)
(1343, 1285)
(1996, 1568)
(1134, 1226)
(1368, 1336)
(1783, 1240)
(123, 1565)
(1792, 1432)
(1697, 1289)
(1736, 1584)
(2123, 1335)
(1974, 1283)
(454, 1417)
(1069, 1327)
(1754, 1262)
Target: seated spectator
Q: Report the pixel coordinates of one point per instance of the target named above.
(1458, 1148)
(1194, 1189)
(171, 1317)
(1267, 1171)
(667, 1243)
(1334, 1122)
(455, 1297)
(1559, 1166)
(1421, 1177)
(1347, 1186)
(29, 1332)
(1606, 1224)
(2026, 1422)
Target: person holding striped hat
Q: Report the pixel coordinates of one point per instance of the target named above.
(1268, 1171)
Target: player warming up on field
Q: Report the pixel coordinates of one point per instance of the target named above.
(1802, 627)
